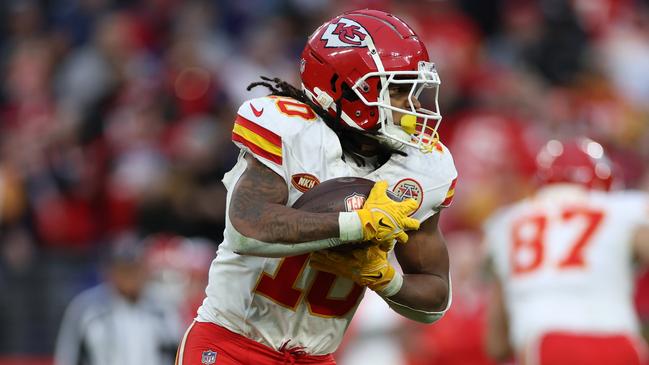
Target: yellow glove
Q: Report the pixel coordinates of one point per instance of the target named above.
(383, 219)
(367, 267)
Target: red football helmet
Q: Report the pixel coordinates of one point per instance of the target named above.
(579, 161)
(353, 60)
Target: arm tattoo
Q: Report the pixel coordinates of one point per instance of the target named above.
(258, 210)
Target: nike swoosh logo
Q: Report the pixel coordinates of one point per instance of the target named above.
(382, 224)
(377, 276)
(256, 112)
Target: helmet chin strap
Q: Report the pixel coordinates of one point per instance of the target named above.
(325, 100)
(393, 129)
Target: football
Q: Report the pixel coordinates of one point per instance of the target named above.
(342, 194)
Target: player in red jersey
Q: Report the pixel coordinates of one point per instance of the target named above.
(367, 108)
(563, 260)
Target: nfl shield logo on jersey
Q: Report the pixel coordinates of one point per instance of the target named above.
(208, 358)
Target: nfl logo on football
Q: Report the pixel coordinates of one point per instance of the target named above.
(208, 358)
(354, 202)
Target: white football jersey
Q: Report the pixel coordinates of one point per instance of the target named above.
(565, 258)
(282, 301)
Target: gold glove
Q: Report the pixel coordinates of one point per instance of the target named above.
(367, 267)
(383, 219)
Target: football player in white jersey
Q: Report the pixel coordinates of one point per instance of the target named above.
(367, 108)
(563, 262)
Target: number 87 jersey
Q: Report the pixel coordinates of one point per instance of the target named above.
(564, 258)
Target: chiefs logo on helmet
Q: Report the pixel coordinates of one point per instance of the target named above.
(345, 33)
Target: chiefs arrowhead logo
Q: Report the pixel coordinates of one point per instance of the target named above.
(345, 33)
(304, 182)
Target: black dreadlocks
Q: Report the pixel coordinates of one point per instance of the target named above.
(348, 136)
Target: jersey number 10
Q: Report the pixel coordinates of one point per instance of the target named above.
(529, 238)
(281, 289)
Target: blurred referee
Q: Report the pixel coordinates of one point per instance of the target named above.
(115, 322)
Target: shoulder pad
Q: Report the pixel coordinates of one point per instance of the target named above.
(265, 126)
(441, 167)
(633, 204)
(629, 195)
(446, 158)
(281, 115)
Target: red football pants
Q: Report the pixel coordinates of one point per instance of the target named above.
(208, 343)
(581, 349)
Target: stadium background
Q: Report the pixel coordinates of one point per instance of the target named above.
(115, 120)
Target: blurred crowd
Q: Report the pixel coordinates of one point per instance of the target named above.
(115, 118)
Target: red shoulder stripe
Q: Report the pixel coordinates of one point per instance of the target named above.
(269, 135)
(256, 149)
(450, 194)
